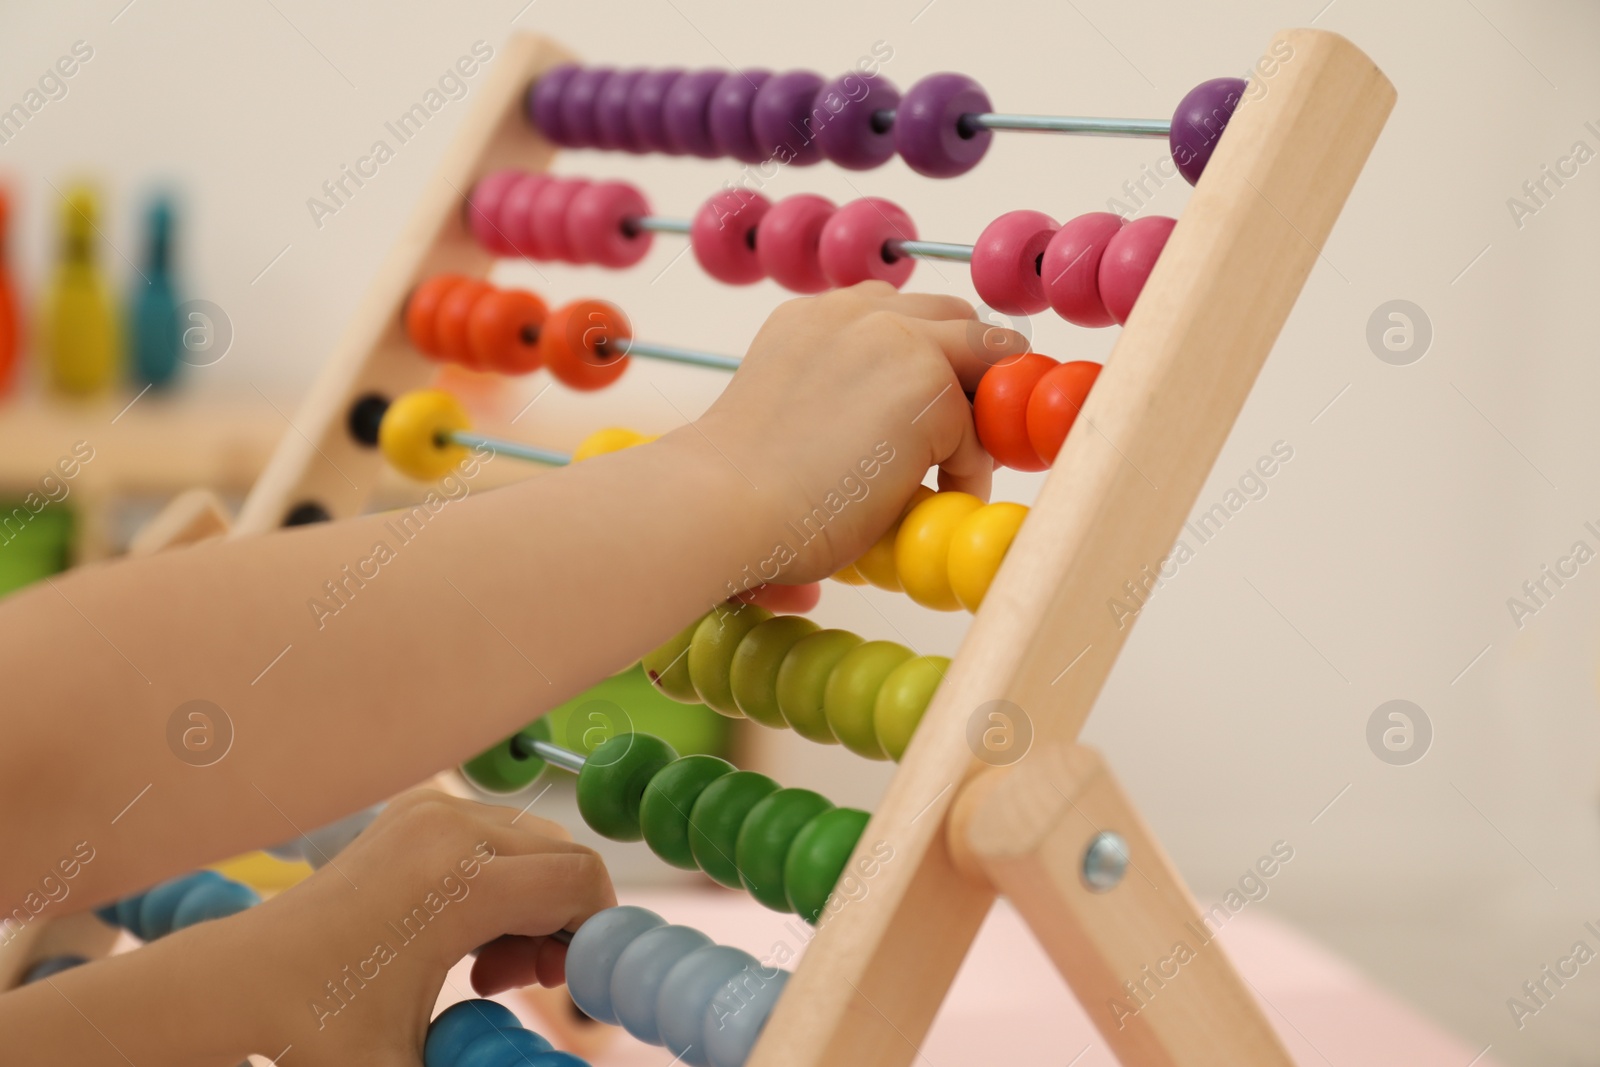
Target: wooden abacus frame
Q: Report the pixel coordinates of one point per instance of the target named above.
(1132, 468)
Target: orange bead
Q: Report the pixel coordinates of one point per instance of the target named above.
(1055, 403)
(450, 324)
(1000, 409)
(581, 344)
(503, 331)
(422, 311)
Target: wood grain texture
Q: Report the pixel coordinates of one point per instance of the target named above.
(317, 459)
(1129, 473)
(1139, 956)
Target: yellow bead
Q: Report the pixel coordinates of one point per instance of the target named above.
(922, 548)
(849, 575)
(978, 545)
(877, 563)
(612, 439)
(409, 434)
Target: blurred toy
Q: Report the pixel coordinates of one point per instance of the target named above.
(155, 340)
(10, 325)
(78, 323)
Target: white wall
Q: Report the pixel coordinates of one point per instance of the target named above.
(1379, 565)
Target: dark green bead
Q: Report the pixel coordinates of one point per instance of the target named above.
(613, 781)
(765, 837)
(817, 858)
(668, 800)
(504, 768)
(715, 820)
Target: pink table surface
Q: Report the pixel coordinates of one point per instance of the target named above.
(1008, 1004)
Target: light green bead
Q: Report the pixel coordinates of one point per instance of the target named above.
(668, 667)
(851, 695)
(803, 676)
(904, 698)
(753, 677)
(711, 653)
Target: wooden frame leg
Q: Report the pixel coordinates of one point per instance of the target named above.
(1135, 949)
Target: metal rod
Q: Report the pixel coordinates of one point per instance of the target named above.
(658, 224)
(929, 250)
(679, 355)
(509, 448)
(883, 120)
(550, 752)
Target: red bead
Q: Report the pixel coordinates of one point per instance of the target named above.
(1070, 270)
(1128, 261)
(723, 236)
(788, 241)
(547, 219)
(1057, 398)
(450, 325)
(1000, 409)
(599, 226)
(483, 211)
(503, 331)
(853, 244)
(422, 312)
(1006, 261)
(581, 344)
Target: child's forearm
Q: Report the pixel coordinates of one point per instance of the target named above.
(348, 660)
(181, 1001)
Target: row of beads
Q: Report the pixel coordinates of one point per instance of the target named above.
(798, 118)
(829, 686)
(943, 552)
(483, 1033)
(539, 216)
(462, 320)
(179, 902)
(1025, 407)
(1090, 270)
(787, 847)
(671, 986)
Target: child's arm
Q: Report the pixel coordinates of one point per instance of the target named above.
(503, 605)
(343, 968)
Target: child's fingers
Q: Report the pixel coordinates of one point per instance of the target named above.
(973, 346)
(935, 307)
(964, 466)
(513, 961)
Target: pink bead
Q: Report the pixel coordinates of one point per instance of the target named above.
(723, 236)
(483, 211)
(853, 246)
(547, 220)
(1128, 261)
(1070, 269)
(1006, 259)
(516, 212)
(599, 226)
(787, 243)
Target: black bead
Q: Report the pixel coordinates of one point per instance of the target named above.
(366, 415)
(307, 513)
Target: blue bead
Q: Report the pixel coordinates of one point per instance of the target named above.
(592, 956)
(52, 965)
(503, 1048)
(640, 970)
(157, 907)
(461, 1024)
(107, 913)
(213, 900)
(127, 912)
(552, 1059)
(687, 989)
(737, 1013)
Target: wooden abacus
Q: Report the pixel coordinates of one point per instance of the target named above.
(1053, 832)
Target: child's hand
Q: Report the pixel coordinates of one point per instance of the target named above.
(349, 963)
(855, 393)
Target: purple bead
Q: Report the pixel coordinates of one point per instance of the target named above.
(781, 118)
(846, 131)
(729, 115)
(1198, 123)
(929, 133)
(544, 102)
(685, 113)
(644, 109)
(611, 126)
(577, 106)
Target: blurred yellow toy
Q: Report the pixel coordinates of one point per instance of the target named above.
(78, 322)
